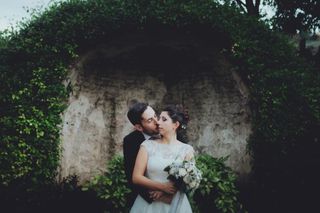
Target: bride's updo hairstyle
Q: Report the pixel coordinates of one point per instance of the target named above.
(178, 113)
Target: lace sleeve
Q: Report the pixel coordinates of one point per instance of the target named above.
(189, 153)
(146, 144)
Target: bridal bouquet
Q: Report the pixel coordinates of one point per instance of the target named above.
(185, 175)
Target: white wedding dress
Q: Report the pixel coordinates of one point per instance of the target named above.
(160, 156)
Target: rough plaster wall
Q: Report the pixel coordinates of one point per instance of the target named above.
(95, 121)
(219, 116)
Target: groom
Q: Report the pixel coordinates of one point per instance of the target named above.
(144, 119)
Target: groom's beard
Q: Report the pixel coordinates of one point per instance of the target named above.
(151, 132)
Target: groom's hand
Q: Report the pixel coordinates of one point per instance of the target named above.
(161, 196)
(155, 195)
(166, 198)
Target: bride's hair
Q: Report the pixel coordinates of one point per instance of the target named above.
(180, 114)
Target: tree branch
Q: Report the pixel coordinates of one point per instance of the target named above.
(242, 5)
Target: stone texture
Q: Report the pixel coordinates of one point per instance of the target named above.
(137, 67)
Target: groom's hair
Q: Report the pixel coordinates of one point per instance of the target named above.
(135, 112)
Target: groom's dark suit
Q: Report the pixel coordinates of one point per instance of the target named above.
(131, 145)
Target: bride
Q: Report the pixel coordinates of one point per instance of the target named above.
(153, 157)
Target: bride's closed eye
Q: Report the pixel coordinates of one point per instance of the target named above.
(163, 119)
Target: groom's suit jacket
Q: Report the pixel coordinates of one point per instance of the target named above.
(131, 145)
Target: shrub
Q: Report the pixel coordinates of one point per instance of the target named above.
(217, 191)
(111, 186)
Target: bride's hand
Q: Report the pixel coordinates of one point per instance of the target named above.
(169, 188)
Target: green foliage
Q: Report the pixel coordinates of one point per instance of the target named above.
(32, 99)
(284, 99)
(217, 191)
(111, 186)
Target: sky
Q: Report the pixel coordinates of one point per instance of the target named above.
(13, 11)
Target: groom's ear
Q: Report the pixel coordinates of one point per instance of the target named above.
(138, 127)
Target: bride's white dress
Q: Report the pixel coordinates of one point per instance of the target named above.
(159, 156)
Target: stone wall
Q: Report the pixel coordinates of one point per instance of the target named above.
(177, 69)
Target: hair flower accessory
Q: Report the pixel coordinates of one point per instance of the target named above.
(183, 126)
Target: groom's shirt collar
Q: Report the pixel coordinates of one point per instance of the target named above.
(146, 136)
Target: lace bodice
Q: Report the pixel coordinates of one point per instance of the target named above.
(161, 155)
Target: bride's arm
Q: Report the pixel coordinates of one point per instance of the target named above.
(139, 178)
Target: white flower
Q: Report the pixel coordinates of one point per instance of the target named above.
(188, 166)
(182, 172)
(171, 171)
(192, 184)
(187, 179)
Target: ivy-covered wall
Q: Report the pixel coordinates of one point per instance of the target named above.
(33, 62)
